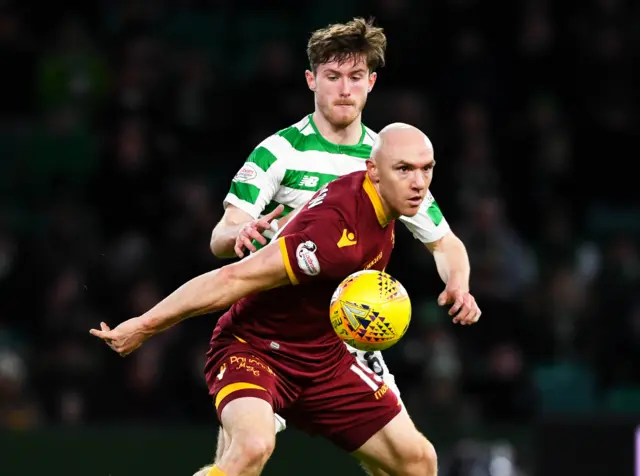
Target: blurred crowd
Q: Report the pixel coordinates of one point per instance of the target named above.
(123, 122)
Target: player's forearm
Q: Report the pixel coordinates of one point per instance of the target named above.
(201, 295)
(452, 261)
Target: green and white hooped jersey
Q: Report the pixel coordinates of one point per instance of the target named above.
(290, 166)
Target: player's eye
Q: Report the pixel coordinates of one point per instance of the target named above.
(333, 78)
(356, 78)
(403, 168)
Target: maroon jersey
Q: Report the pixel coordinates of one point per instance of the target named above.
(343, 229)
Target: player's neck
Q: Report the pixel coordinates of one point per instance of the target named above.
(389, 214)
(388, 211)
(349, 135)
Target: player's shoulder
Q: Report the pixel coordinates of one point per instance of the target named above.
(348, 184)
(298, 134)
(340, 197)
(282, 144)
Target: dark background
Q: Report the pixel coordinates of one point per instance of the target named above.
(123, 122)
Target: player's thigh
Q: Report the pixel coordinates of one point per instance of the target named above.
(248, 423)
(224, 440)
(376, 363)
(248, 419)
(399, 448)
(237, 374)
(348, 408)
(245, 393)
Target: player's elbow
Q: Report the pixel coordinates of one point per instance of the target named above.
(446, 243)
(216, 248)
(221, 247)
(227, 287)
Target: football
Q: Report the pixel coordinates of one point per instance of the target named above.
(370, 310)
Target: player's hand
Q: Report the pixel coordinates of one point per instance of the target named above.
(463, 306)
(125, 338)
(253, 231)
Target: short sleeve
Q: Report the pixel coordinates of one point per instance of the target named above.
(258, 180)
(428, 225)
(325, 248)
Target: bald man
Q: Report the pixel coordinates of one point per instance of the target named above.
(275, 351)
(284, 172)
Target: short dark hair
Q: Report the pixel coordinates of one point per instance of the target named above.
(346, 41)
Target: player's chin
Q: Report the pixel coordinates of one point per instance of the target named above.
(344, 118)
(410, 209)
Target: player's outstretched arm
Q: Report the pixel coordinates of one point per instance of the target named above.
(452, 262)
(206, 293)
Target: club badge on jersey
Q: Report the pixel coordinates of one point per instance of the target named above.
(247, 173)
(307, 259)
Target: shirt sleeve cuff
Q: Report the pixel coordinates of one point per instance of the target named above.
(243, 205)
(287, 262)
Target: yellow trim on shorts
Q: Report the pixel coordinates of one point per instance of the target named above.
(287, 262)
(234, 387)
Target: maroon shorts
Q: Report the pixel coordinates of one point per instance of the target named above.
(347, 406)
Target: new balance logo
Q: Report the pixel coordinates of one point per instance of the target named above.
(309, 181)
(347, 239)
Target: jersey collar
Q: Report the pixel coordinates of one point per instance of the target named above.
(376, 201)
(337, 148)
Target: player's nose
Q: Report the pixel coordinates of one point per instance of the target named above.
(345, 87)
(419, 181)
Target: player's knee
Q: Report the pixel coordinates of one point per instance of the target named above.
(420, 459)
(255, 449)
(430, 457)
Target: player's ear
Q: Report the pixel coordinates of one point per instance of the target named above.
(372, 80)
(372, 170)
(311, 80)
